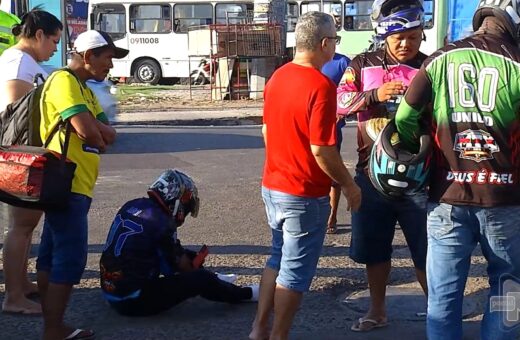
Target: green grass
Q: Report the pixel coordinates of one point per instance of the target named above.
(125, 91)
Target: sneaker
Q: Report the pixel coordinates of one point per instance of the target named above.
(230, 278)
(256, 292)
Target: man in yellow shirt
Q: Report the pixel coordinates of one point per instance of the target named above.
(66, 99)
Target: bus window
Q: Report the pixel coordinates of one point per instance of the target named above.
(357, 15)
(292, 16)
(232, 13)
(331, 7)
(189, 15)
(150, 19)
(110, 18)
(334, 9)
(428, 13)
(113, 23)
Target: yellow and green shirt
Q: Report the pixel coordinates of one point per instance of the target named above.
(64, 96)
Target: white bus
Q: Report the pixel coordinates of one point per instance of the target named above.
(156, 31)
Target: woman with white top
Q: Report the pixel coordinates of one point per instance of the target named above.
(38, 34)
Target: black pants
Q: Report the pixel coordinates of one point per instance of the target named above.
(163, 293)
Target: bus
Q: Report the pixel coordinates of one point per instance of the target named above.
(353, 24)
(156, 31)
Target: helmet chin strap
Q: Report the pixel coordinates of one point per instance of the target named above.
(176, 207)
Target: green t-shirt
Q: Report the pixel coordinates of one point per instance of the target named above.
(472, 87)
(7, 39)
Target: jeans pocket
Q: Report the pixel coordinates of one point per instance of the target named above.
(440, 222)
(297, 217)
(503, 223)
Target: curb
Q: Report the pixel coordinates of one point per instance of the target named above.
(228, 121)
(232, 121)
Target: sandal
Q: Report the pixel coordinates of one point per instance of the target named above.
(366, 324)
(82, 334)
(332, 229)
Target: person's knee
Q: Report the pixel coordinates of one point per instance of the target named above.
(23, 221)
(68, 262)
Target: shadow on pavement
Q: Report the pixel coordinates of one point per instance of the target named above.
(138, 143)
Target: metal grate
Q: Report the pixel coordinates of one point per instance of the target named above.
(247, 40)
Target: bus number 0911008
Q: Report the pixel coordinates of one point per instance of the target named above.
(144, 40)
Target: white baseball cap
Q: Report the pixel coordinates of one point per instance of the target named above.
(92, 39)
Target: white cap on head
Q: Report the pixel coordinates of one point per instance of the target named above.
(92, 39)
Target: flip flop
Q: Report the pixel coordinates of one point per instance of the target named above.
(24, 312)
(76, 335)
(332, 229)
(371, 325)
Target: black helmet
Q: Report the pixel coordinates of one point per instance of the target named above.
(507, 11)
(394, 171)
(176, 192)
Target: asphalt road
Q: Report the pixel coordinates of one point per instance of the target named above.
(226, 163)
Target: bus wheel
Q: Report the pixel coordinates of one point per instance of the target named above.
(147, 71)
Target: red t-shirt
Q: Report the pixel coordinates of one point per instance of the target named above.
(299, 110)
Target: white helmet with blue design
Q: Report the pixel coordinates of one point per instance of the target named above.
(396, 16)
(177, 193)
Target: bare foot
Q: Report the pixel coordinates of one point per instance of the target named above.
(257, 334)
(67, 333)
(22, 306)
(331, 226)
(332, 220)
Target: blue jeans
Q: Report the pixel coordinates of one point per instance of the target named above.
(64, 242)
(453, 233)
(339, 133)
(298, 226)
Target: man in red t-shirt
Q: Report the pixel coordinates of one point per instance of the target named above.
(301, 159)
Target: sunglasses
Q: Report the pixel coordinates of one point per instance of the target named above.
(336, 38)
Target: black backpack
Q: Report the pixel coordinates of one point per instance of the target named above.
(20, 121)
(33, 176)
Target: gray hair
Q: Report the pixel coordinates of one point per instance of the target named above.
(311, 28)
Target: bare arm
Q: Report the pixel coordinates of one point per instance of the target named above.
(87, 129)
(329, 160)
(107, 132)
(264, 133)
(16, 89)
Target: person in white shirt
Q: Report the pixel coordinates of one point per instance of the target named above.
(38, 35)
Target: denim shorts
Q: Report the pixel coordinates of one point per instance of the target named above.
(298, 226)
(373, 225)
(64, 242)
(339, 133)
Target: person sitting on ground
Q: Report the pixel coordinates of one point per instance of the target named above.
(144, 268)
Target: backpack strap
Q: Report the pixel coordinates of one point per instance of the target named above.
(57, 127)
(65, 145)
(38, 77)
